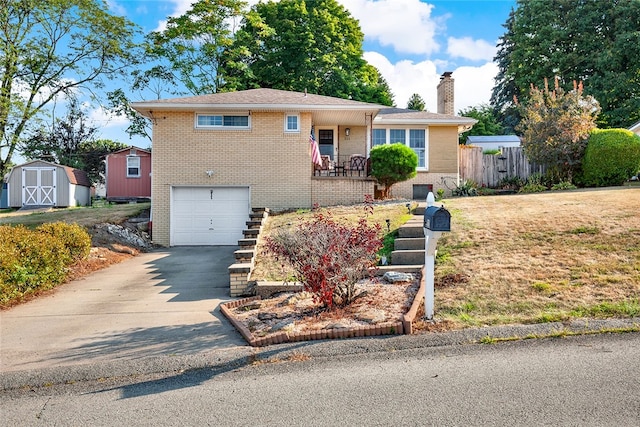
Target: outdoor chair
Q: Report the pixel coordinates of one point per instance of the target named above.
(357, 163)
(326, 167)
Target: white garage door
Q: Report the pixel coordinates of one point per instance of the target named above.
(208, 215)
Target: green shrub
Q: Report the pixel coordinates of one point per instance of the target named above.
(33, 260)
(612, 157)
(510, 183)
(563, 185)
(392, 163)
(533, 185)
(492, 151)
(74, 237)
(467, 188)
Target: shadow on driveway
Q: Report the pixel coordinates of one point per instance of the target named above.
(161, 303)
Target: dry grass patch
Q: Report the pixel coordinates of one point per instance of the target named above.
(85, 216)
(541, 257)
(269, 269)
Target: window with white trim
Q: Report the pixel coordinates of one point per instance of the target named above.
(133, 167)
(379, 137)
(397, 135)
(222, 121)
(292, 123)
(417, 143)
(416, 139)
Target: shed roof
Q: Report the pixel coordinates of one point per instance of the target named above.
(493, 138)
(75, 176)
(130, 148)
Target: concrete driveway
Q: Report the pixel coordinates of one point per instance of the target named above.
(162, 303)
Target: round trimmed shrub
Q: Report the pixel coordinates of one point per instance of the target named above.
(612, 157)
(392, 163)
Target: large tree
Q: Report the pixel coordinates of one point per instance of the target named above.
(555, 128)
(54, 48)
(193, 43)
(71, 141)
(303, 45)
(60, 142)
(596, 42)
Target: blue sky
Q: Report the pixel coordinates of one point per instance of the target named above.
(411, 42)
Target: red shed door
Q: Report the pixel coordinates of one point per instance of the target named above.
(208, 216)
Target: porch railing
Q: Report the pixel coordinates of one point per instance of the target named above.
(345, 166)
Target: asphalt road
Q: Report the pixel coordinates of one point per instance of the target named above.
(575, 381)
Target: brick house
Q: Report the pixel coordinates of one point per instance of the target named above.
(215, 157)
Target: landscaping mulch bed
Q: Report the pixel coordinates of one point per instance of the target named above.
(294, 316)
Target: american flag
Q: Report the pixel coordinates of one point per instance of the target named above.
(315, 149)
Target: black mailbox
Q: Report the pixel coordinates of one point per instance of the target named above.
(437, 219)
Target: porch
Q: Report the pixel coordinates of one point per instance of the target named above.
(353, 165)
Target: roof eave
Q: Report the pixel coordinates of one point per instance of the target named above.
(145, 108)
(431, 122)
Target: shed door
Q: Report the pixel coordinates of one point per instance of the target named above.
(38, 186)
(208, 216)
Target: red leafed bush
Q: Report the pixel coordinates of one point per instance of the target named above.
(328, 257)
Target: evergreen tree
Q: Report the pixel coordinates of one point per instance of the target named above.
(595, 42)
(416, 103)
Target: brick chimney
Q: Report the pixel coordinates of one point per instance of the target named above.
(445, 94)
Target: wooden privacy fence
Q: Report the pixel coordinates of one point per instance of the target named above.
(489, 169)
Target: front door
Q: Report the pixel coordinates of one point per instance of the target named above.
(325, 141)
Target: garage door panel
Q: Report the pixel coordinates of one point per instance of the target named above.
(209, 215)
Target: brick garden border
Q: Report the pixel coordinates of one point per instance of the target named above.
(403, 326)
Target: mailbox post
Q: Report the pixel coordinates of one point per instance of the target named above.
(436, 221)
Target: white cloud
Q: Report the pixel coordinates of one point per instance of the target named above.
(406, 78)
(180, 7)
(104, 119)
(116, 7)
(468, 48)
(473, 85)
(405, 25)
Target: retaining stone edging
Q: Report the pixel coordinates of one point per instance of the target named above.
(403, 326)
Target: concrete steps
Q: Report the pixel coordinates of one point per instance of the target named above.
(240, 272)
(409, 245)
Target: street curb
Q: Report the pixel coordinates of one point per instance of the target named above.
(237, 357)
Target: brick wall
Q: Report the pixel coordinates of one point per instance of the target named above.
(332, 191)
(264, 158)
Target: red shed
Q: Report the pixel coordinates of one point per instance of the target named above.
(128, 175)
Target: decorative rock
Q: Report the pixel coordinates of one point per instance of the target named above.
(266, 316)
(336, 326)
(373, 316)
(286, 325)
(397, 277)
